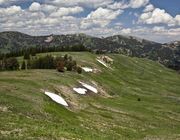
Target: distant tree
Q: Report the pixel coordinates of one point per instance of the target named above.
(60, 65)
(65, 57)
(49, 62)
(11, 64)
(69, 66)
(33, 52)
(70, 58)
(26, 56)
(29, 64)
(1, 65)
(79, 69)
(74, 65)
(23, 66)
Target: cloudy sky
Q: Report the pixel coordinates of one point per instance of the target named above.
(157, 20)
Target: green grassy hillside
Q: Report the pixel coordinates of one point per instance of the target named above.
(113, 114)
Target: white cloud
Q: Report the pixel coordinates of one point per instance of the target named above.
(58, 17)
(157, 33)
(100, 17)
(64, 11)
(158, 16)
(7, 1)
(35, 6)
(126, 31)
(149, 8)
(2, 1)
(47, 9)
(12, 10)
(158, 29)
(138, 3)
(177, 19)
(86, 3)
(118, 5)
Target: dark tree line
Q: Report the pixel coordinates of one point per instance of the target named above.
(62, 64)
(34, 50)
(9, 64)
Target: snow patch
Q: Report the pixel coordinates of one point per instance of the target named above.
(89, 87)
(81, 91)
(58, 99)
(86, 69)
(103, 63)
(49, 39)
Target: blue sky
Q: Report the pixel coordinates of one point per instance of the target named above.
(157, 20)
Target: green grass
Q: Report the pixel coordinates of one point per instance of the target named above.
(26, 113)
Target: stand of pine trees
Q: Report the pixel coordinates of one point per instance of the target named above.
(47, 62)
(9, 64)
(26, 52)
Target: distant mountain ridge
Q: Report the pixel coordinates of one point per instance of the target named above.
(168, 54)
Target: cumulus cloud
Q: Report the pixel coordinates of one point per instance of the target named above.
(64, 11)
(118, 5)
(177, 19)
(138, 3)
(12, 10)
(100, 17)
(149, 8)
(35, 6)
(126, 31)
(7, 1)
(62, 17)
(86, 3)
(158, 16)
(2, 1)
(47, 9)
(12, 2)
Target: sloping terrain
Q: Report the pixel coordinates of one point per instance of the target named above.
(136, 99)
(167, 54)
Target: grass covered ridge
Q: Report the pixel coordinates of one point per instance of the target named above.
(26, 113)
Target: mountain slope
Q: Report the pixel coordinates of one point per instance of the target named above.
(127, 45)
(115, 113)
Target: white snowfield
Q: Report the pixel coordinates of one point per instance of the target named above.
(86, 69)
(103, 63)
(58, 99)
(81, 91)
(89, 87)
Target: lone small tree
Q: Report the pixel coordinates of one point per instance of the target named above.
(69, 66)
(60, 65)
(23, 66)
(79, 70)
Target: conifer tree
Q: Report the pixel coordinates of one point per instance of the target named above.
(23, 66)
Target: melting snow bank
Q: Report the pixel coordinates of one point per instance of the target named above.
(103, 63)
(86, 69)
(81, 91)
(58, 99)
(91, 88)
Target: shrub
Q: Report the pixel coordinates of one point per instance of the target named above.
(79, 69)
(60, 65)
(11, 64)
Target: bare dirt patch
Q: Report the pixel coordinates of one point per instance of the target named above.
(73, 100)
(4, 109)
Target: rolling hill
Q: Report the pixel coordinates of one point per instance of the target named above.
(127, 45)
(137, 99)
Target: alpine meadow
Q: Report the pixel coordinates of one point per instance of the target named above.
(89, 70)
